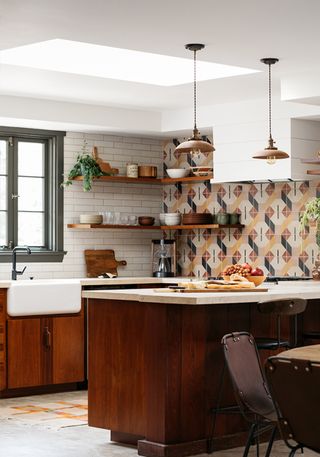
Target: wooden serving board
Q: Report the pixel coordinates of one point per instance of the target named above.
(101, 261)
(192, 291)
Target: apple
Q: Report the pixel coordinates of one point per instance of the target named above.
(257, 272)
(247, 267)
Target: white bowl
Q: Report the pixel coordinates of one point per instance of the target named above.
(178, 172)
(91, 219)
(172, 220)
(162, 218)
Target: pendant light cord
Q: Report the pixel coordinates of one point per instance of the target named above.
(270, 134)
(195, 87)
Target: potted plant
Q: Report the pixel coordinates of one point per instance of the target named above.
(311, 217)
(86, 166)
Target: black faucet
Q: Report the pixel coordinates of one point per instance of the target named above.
(14, 271)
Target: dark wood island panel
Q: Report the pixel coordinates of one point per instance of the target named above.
(154, 371)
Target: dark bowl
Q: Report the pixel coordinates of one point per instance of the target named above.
(146, 220)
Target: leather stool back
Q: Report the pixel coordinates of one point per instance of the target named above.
(278, 308)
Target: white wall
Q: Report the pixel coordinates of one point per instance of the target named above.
(133, 246)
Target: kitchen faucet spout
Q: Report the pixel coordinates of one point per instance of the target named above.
(14, 271)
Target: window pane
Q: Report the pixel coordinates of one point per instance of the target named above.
(3, 157)
(30, 159)
(3, 229)
(31, 229)
(31, 194)
(3, 192)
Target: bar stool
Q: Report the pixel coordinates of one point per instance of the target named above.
(278, 308)
(310, 336)
(253, 398)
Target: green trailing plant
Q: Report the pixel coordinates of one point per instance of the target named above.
(311, 215)
(85, 166)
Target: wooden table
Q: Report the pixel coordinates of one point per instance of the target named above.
(310, 353)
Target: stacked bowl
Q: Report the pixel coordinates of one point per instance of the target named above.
(197, 219)
(172, 218)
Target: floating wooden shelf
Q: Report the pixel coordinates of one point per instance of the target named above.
(188, 179)
(313, 172)
(200, 226)
(123, 179)
(114, 226)
(152, 227)
(311, 161)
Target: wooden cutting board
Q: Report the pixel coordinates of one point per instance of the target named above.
(101, 261)
(192, 291)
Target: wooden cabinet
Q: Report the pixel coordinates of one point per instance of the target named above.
(68, 354)
(3, 338)
(24, 353)
(45, 350)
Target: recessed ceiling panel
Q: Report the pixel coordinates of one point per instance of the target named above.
(114, 63)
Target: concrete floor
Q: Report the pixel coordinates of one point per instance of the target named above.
(32, 439)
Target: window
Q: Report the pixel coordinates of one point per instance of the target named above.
(31, 198)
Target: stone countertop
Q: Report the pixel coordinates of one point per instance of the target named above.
(5, 284)
(300, 289)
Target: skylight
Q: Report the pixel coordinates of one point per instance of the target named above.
(114, 63)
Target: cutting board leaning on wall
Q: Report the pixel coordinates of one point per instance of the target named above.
(100, 261)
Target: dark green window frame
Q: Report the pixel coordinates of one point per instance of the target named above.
(53, 142)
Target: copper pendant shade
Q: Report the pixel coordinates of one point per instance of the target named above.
(194, 144)
(271, 154)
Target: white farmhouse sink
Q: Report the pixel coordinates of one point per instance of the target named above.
(29, 298)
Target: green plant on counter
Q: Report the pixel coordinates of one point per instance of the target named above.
(87, 167)
(311, 215)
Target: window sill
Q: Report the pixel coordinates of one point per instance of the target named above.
(36, 256)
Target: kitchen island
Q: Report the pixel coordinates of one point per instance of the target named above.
(155, 361)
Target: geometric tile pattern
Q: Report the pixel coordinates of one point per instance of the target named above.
(271, 238)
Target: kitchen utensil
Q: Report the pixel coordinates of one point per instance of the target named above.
(91, 219)
(257, 280)
(147, 171)
(209, 291)
(201, 171)
(163, 256)
(162, 218)
(234, 218)
(222, 218)
(132, 170)
(101, 261)
(105, 166)
(133, 220)
(178, 172)
(172, 219)
(196, 218)
(146, 220)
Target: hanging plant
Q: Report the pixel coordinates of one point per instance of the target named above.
(311, 216)
(86, 166)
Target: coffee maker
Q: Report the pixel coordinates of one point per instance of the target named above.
(163, 258)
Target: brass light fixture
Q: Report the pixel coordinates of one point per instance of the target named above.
(195, 145)
(271, 154)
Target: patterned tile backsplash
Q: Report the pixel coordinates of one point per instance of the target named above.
(272, 237)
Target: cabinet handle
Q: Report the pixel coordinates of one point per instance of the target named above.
(47, 337)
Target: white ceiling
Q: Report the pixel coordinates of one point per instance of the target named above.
(235, 33)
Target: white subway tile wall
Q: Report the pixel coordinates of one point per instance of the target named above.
(136, 199)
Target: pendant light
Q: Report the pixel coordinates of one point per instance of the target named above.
(271, 154)
(195, 145)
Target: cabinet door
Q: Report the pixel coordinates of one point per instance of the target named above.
(24, 353)
(68, 349)
(3, 339)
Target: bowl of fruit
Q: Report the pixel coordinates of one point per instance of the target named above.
(253, 274)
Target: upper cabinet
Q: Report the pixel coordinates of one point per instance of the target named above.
(236, 144)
